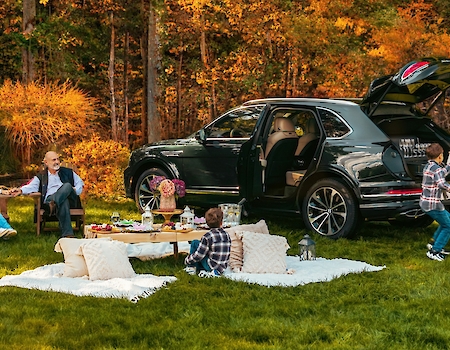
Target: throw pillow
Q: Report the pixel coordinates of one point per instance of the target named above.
(236, 253)
(106, 259)
(264, 253)
(74, 264)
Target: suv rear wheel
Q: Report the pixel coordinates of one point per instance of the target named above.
(142, 193)
(330, 209)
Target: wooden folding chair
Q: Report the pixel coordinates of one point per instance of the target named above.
(41, 217)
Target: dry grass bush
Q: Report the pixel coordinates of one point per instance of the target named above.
(38, 116)
(100, 163)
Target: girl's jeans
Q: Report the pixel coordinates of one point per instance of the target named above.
(442, 234)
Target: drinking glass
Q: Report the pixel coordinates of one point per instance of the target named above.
(115, 217)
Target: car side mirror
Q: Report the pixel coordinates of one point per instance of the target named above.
(201, 135)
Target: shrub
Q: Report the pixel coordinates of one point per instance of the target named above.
(100, 164)
(39, 116)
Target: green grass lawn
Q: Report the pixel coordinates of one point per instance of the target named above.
(401, 307)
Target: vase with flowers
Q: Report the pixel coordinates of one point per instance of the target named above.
(168, 191)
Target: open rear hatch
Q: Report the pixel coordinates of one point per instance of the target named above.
(390, 103)
(414, 83)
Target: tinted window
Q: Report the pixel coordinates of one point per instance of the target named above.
(303, 120)
(238, 123)
(334, 126)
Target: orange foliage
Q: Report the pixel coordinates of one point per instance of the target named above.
(100, 164)
(39, 117)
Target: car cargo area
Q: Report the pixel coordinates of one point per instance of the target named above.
(412, 135)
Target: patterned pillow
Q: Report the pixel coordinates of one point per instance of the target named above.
(235, 232)
(74, 264)
(106, 259)
(264, 253)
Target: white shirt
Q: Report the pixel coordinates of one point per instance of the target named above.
(54, 183)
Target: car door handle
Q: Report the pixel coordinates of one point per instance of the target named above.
(235, 150)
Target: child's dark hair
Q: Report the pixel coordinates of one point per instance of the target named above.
(434, 150)
(214, 217)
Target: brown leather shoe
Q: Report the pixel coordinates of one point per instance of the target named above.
(52, 206)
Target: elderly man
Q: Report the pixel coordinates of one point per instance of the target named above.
(59, 186)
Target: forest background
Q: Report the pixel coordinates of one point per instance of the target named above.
(94, 79)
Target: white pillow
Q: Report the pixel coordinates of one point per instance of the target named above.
(106, 259)
(264, 253)
(74, 264)
(236, 253)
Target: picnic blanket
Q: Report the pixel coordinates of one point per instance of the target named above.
(49, 278)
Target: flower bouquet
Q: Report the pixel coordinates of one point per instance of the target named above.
(167, 189)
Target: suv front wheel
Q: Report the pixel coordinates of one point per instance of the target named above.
(330, 209)
(142, 193)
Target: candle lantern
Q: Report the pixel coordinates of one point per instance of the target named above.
(187, 218)
(307, 248)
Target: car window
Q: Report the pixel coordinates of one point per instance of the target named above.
(334, 126)
(302, 119)
(238, 123)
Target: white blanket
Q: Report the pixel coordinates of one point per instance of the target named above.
(303, 272)
(48, 278)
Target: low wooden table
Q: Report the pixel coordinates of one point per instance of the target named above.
(4, 205)
(150, 237)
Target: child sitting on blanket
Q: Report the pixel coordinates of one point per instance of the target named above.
(211, 254)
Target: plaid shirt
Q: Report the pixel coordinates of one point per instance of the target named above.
(215, 244)
(433, 183)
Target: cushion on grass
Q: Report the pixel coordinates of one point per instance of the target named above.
(74, 264)
(106, 259)
(264, 253)
(235, 232)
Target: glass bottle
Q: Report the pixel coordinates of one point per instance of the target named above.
(147, 218)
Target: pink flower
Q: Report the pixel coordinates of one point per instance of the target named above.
(167, 188)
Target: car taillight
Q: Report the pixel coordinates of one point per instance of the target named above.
(405, 191)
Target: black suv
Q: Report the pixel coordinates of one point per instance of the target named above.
(336, 162)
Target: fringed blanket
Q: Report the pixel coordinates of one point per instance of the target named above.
(48, 278)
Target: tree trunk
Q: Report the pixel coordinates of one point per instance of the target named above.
(29, 21)
(144, 54)
(111, 79)
(125, 88)
(179, 94)
(153, 127)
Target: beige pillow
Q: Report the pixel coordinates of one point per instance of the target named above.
(74, 264)
(236, 254)
(264, 253)
(106, 259)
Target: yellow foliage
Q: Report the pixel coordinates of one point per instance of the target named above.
(37, 117)
(100, 164)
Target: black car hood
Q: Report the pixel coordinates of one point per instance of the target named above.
(414, 83)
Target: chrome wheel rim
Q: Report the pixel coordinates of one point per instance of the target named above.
(327, 211)
(146, 196)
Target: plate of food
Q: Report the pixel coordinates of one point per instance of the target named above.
(125, 223)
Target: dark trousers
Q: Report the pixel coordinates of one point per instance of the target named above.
(61, 199)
